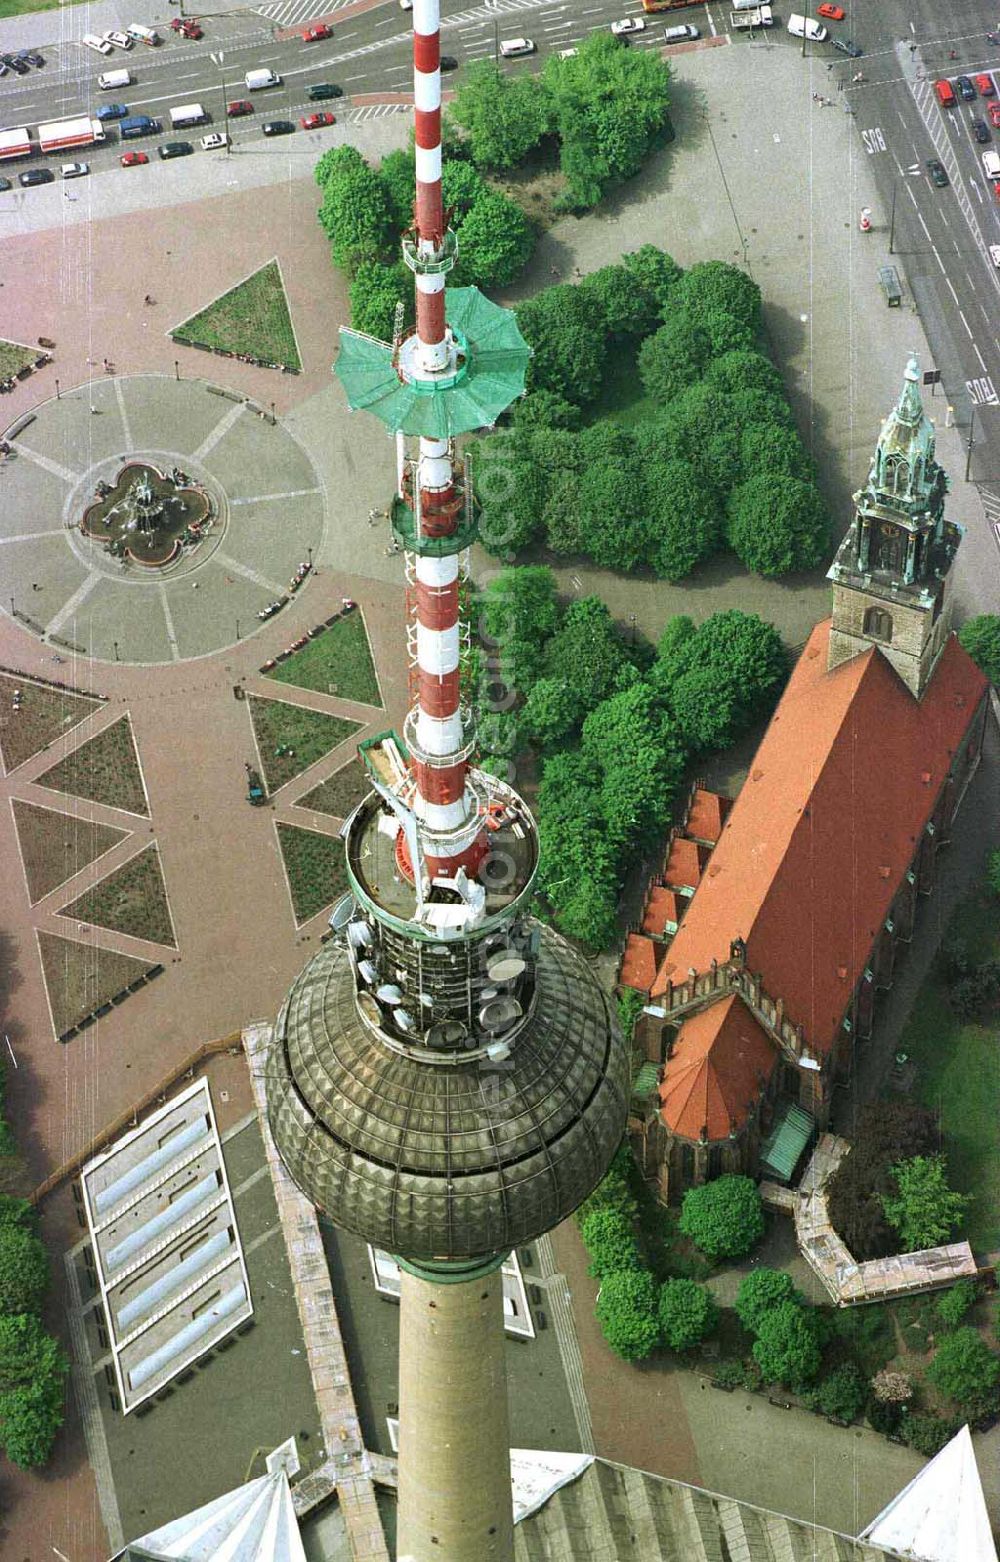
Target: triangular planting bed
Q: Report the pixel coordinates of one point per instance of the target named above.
(337, 661)
(290, 738)
(251, 320)
(33, 715)
(105, 769)
(82, 978)
(132, 900)
(316, 869)
(56, 846)
(340, 793)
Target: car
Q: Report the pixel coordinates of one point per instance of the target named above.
(5, 184)
(448, 62)
(937, 173)
(110, 111)
(176, 23)
(996, 188)
(175, 149)
(34, 58)
(568, 54)
(134, 159)
(191, 30)
(965, 88)
(240, 107)
(847, 46)
(628, 24)
(514, 48)
(980, 131)
(21, 66)
(945, 93)
(316, 121)
(214, 139)
(994, 112)
(317, 34)
(278, 127)
(35, 176)
(831, 13)
(324, 89)
(406, 5)
(995, 255)
(984, 85)
(4, 67)
(120, 40)
(75, 170)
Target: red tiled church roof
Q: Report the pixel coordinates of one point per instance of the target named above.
(684, 864)
(662, 906)
(720, 1063)
(707, 815)
(638, 967)
(841, 787)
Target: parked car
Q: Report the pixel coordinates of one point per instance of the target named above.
(317, 34)
(316, 121)
(110, 111)
(175, 149)
(188, 28)
(75, 170)
(980, 131)
(847, 46)
(34, 58)
(5, 184)
(120, 40)
(996, 188)
(240, 107)
(995, 255)
(4, 67)
(35, 176)
(134, 159)
(278, 127)
(984, 85)
(21, 66)
(627, 25)
(965, 88)
(994, 111)
(324, 89)
(937, 174)
(448, 62)
(513, 48)
(831, 13)
(214, 139)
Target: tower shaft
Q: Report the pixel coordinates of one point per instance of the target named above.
(455, 1501)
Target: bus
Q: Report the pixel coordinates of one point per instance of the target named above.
(668, 5)
(15, 143)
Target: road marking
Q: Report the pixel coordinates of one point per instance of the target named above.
(220, 430)
(169, 621)
(979, 355)
(69, 607)
(120, 398)
(249, 573)
(29, 537)
(965, 323)
(46, 465)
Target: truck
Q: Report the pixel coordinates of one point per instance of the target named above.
(258, 79)
(666, 5)
(147, 35)
(15, 143)
(187, 114)
(760, 16)
(137, 125)
(60, 134)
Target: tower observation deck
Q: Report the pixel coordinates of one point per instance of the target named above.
(446, 1078)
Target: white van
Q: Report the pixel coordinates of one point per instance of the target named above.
(991, 165)
(256, 80)
(511, 48)
(143, 34)
(187, 114)
(680, 34)
(120, 40)
(99, 45)
(805, 27)
(109, 80)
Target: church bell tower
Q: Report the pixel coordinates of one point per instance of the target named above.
(892, 573)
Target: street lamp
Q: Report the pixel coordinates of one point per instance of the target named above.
(177, 369)
(115, 645)
(219, 60)
(237, 629)
(57, 391)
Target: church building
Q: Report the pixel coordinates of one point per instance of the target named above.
(761, 981)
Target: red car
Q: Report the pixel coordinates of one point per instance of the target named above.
(241, 106)
(134, 159)
(995, 115)
(832, 13)
(315, 121)
(984, 85)
(317, 34)
(191, 30)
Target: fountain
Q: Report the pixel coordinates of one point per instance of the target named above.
(146, 516)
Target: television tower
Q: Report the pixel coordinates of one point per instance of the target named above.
(446, 1078)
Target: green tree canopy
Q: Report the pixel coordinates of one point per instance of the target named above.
(608, 103)
(552, 711)
(510, 487)
(519, 615)
(700, 426)
(354, 213)
(24, 1270)
(33, 1370)
(924, 1210)
(336, 162)
(613, 522)
(724, 1218)
(588, 651)
(495, 241)
(759, 1292)
(577, 867)
(565, 327)
(375, 292)
(966, 1370)
(544, 409)
(842, 1393)
(462, 185)
(742, 371)
(629, 307)
(682, 518)
(639, 757)
(981, 638)
(610, 1241)
(787, 1345)
(398, 174)
(656, 274)
(715, 285)
(775, 449)
(953, 1304)
(777, 524)
(673, 358)
(626, 1311)
(687, 1312)
(503, 116)
(720, 679)
(886, 1132)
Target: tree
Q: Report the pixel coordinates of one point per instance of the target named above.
(510, 487)
(33, 1370)
(892, 1388)
(777, 524)
(980, 636)
(614, 527)
(759, 1292)
(633, 747)
(335, 162)
(495, 241)
(687, 1312)
(953, 1304)
(993, 872)
(925, 1211)
(773, 448)
(610, 1242)
(966, 1370)
(355, 213)
(462, 185)
(787, 1345)
(503, 116)
(673, 358)
(886, 1132)
(741, 371)
(588, 652)
(519, 615)
(629, 309)
(726, 332)
(655, 274)
(613, 1191)
(565, 327)
(626, 1311)
(725, 1217)
(24, 1270)
(544, 409)
(20, 1213)
(927, 1435)
(398, 174)
(841, 1394)
(553, 711)
(714, 284)
(700, 426)
(375, 292)
(720, 679)
(577, 866)
(608, 104)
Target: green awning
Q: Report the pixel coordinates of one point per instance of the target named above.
(781, 1150)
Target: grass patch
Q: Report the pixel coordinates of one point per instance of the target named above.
(291, 738)
(105, 769)
(341, 794)
(622, 399)
(80, 977)
(133, 901)
(958, 1075)
(316, 868)
(338, 661)
(14, 357)
(252, 318)
(55, 846)
(43, 715)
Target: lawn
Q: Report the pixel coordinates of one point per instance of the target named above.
(251, 319)
(55, 846)
(958, 1074)
(133, 901)
(42, 715)
(105, 769)
(622, 398)
(338, 661)
(316, 868)
(81, 977)
(12, 355)
(341, 794)
(290, 738)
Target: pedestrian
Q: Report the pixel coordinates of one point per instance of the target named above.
(35, 586)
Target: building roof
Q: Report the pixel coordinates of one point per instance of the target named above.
(684, 864)
(662, 912)
(815, 848)
(941, 1515)
(706, 815)
(254, 1523)
(638, 967)
(719, 1063)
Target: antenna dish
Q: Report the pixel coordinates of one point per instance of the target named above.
(507, 968)
(342, 913)
(369, 1009)
(499, 1013)
(403, 1020)
(447, 1033)
(388, 993)
(368, 972)
(358, 934)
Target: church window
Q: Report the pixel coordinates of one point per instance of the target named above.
(878, 624)
(897, 474)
